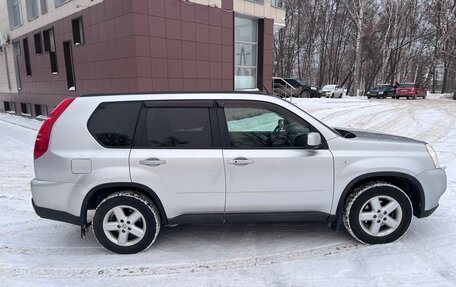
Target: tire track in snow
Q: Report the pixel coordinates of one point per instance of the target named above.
(237, 263)
(19, 125)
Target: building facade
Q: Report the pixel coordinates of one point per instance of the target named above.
(52, 49)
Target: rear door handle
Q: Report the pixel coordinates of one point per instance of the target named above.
(152, 162)
(241, 161)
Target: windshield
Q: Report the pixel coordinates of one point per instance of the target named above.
(293, 82)
(329, 87)
(381, 87)
(301, 82)
(407, 85)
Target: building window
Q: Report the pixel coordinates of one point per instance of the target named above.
(7, 106)
(38, 44)
(16, 54)
(277, 3)
(26, 109)
(78, 31)
(58, 3)
(69, 65)
(49, 46)
(43, 6)
(245, 53)
(40, 110)
(32, 9)
(14, 13)
(10, 107)
(28, 67)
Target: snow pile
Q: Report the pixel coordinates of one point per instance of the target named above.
(447, 96)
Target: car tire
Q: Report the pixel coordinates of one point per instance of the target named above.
(126, 222)
(377, 212)
(305, 94)
(368, 98)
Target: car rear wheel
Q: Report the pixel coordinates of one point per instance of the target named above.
(377, 212)
(126, 222)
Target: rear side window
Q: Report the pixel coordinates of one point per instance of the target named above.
(177, 127)
(113, 124)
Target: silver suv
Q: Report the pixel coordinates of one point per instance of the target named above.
(145, 161)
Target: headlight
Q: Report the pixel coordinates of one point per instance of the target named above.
(313, 88)
(380, 93)
(368, 93)
(433, 155)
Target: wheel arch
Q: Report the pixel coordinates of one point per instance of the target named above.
(98, 193)
(410, 185)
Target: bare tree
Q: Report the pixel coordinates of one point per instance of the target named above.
(359, 43)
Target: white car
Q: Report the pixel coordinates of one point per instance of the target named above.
(333, 91)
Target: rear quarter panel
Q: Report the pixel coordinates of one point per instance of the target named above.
(71, 140)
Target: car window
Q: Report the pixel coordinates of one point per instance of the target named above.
(264, 127)
(180, 127)
(112, 124)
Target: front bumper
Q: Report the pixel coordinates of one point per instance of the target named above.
(434, 184)
(376, 95)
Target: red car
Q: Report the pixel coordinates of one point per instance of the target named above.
(411, 90)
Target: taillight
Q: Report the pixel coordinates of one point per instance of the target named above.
(44, 134)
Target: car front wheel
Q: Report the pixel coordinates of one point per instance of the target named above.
(377, 212)
(305, 94)
(126, 222)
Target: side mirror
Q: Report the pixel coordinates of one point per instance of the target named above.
(313, 140)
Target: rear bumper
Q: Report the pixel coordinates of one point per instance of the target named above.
(56, 201)
(56, 215)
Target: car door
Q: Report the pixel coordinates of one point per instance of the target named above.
(268, 167)
(177, 154)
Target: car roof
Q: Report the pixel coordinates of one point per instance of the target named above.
(151, 96)
(172, 93)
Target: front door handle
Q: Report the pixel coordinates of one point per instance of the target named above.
(152, 162)
(241, 161)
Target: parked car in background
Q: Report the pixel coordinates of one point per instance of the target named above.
(333, 91)
(284, 87)
(308, 91)
(411, 91)
(382, 91)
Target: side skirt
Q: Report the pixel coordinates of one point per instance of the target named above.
(257, 217)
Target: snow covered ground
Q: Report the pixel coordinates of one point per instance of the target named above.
(38, 252)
